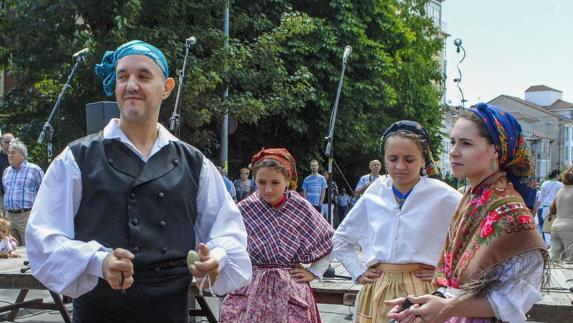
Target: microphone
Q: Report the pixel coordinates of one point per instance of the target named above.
(81, 53)
(191, 41)
(347, 51)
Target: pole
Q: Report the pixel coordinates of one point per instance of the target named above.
(225, 125)
(329, 146)
(458, 81)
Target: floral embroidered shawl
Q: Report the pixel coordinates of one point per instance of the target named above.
(492, 224)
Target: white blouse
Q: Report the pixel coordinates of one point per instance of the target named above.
(387, 234)
(519, 288)
(72, 267)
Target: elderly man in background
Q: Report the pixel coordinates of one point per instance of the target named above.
(5, 142)
(365, 181)
(21, 181)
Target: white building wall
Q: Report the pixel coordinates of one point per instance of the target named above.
(543, 98)
(568, 145)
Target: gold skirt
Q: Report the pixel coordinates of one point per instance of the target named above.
(396, 280)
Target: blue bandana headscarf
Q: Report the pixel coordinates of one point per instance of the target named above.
(106, 69)
(513, 155)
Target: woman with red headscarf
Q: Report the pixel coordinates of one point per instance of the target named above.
(284, 232)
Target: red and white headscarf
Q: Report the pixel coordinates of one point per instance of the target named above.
(282, 156)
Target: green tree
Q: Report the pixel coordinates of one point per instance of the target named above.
(282, 68)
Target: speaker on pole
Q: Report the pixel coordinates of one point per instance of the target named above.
(99, 113)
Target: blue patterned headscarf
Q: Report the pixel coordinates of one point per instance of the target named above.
(106, 69)
(513, 155)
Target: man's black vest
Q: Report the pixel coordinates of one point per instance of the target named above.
(148, 208)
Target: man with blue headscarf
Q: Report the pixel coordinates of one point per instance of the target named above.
(119, 210)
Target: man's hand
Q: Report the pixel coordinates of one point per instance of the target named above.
(207, 265)
(116, 263)
(369, 276)
(301, 274)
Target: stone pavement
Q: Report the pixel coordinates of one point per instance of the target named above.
(329, 313)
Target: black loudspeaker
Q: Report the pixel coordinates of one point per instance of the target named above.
(98, 115)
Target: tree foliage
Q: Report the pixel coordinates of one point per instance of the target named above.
(282, 68)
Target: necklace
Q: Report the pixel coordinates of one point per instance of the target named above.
(400, 198)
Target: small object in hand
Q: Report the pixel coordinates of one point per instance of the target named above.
(192, 257)
(122, 281)
(406, 305)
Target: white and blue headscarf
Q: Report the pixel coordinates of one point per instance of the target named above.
(106, 69)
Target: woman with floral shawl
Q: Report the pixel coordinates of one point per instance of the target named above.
(284, 231)
(491, 267)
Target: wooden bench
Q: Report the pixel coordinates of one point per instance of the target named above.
(12, 277)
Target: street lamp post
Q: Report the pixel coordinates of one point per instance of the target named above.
(225, 125)
(458, 80)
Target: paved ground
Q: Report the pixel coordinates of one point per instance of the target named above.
(329, 313)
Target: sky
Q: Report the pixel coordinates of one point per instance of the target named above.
(510, 45)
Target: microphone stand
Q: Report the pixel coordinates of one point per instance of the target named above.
(329, 151)
(48, 130)
(330, 272)
(175, 119)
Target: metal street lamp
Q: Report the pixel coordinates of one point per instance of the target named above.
(458, 80)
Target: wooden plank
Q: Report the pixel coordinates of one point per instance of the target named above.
(560, 298)
(562, 282)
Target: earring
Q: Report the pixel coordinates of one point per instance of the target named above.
(423, 171)
(495, 165)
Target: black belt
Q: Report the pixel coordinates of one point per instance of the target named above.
(18, 211)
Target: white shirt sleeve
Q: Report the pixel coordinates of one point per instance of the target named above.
(319, 267)
(50, 233)
(351, 232)
(361, 182)
(520, 286)
(220, 225)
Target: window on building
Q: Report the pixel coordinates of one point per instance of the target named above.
(434, 12)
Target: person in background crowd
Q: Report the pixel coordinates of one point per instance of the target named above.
(491, 267)
(4, 163)
(21, 182)
(7, 242)
(333, 191)
(119, 210)
(228, 184)
(547, 194)
(342, 200)
(314, 187)
(285, 231)
(562, 226)
(243, 185)
(365, 181)
(400, 224)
